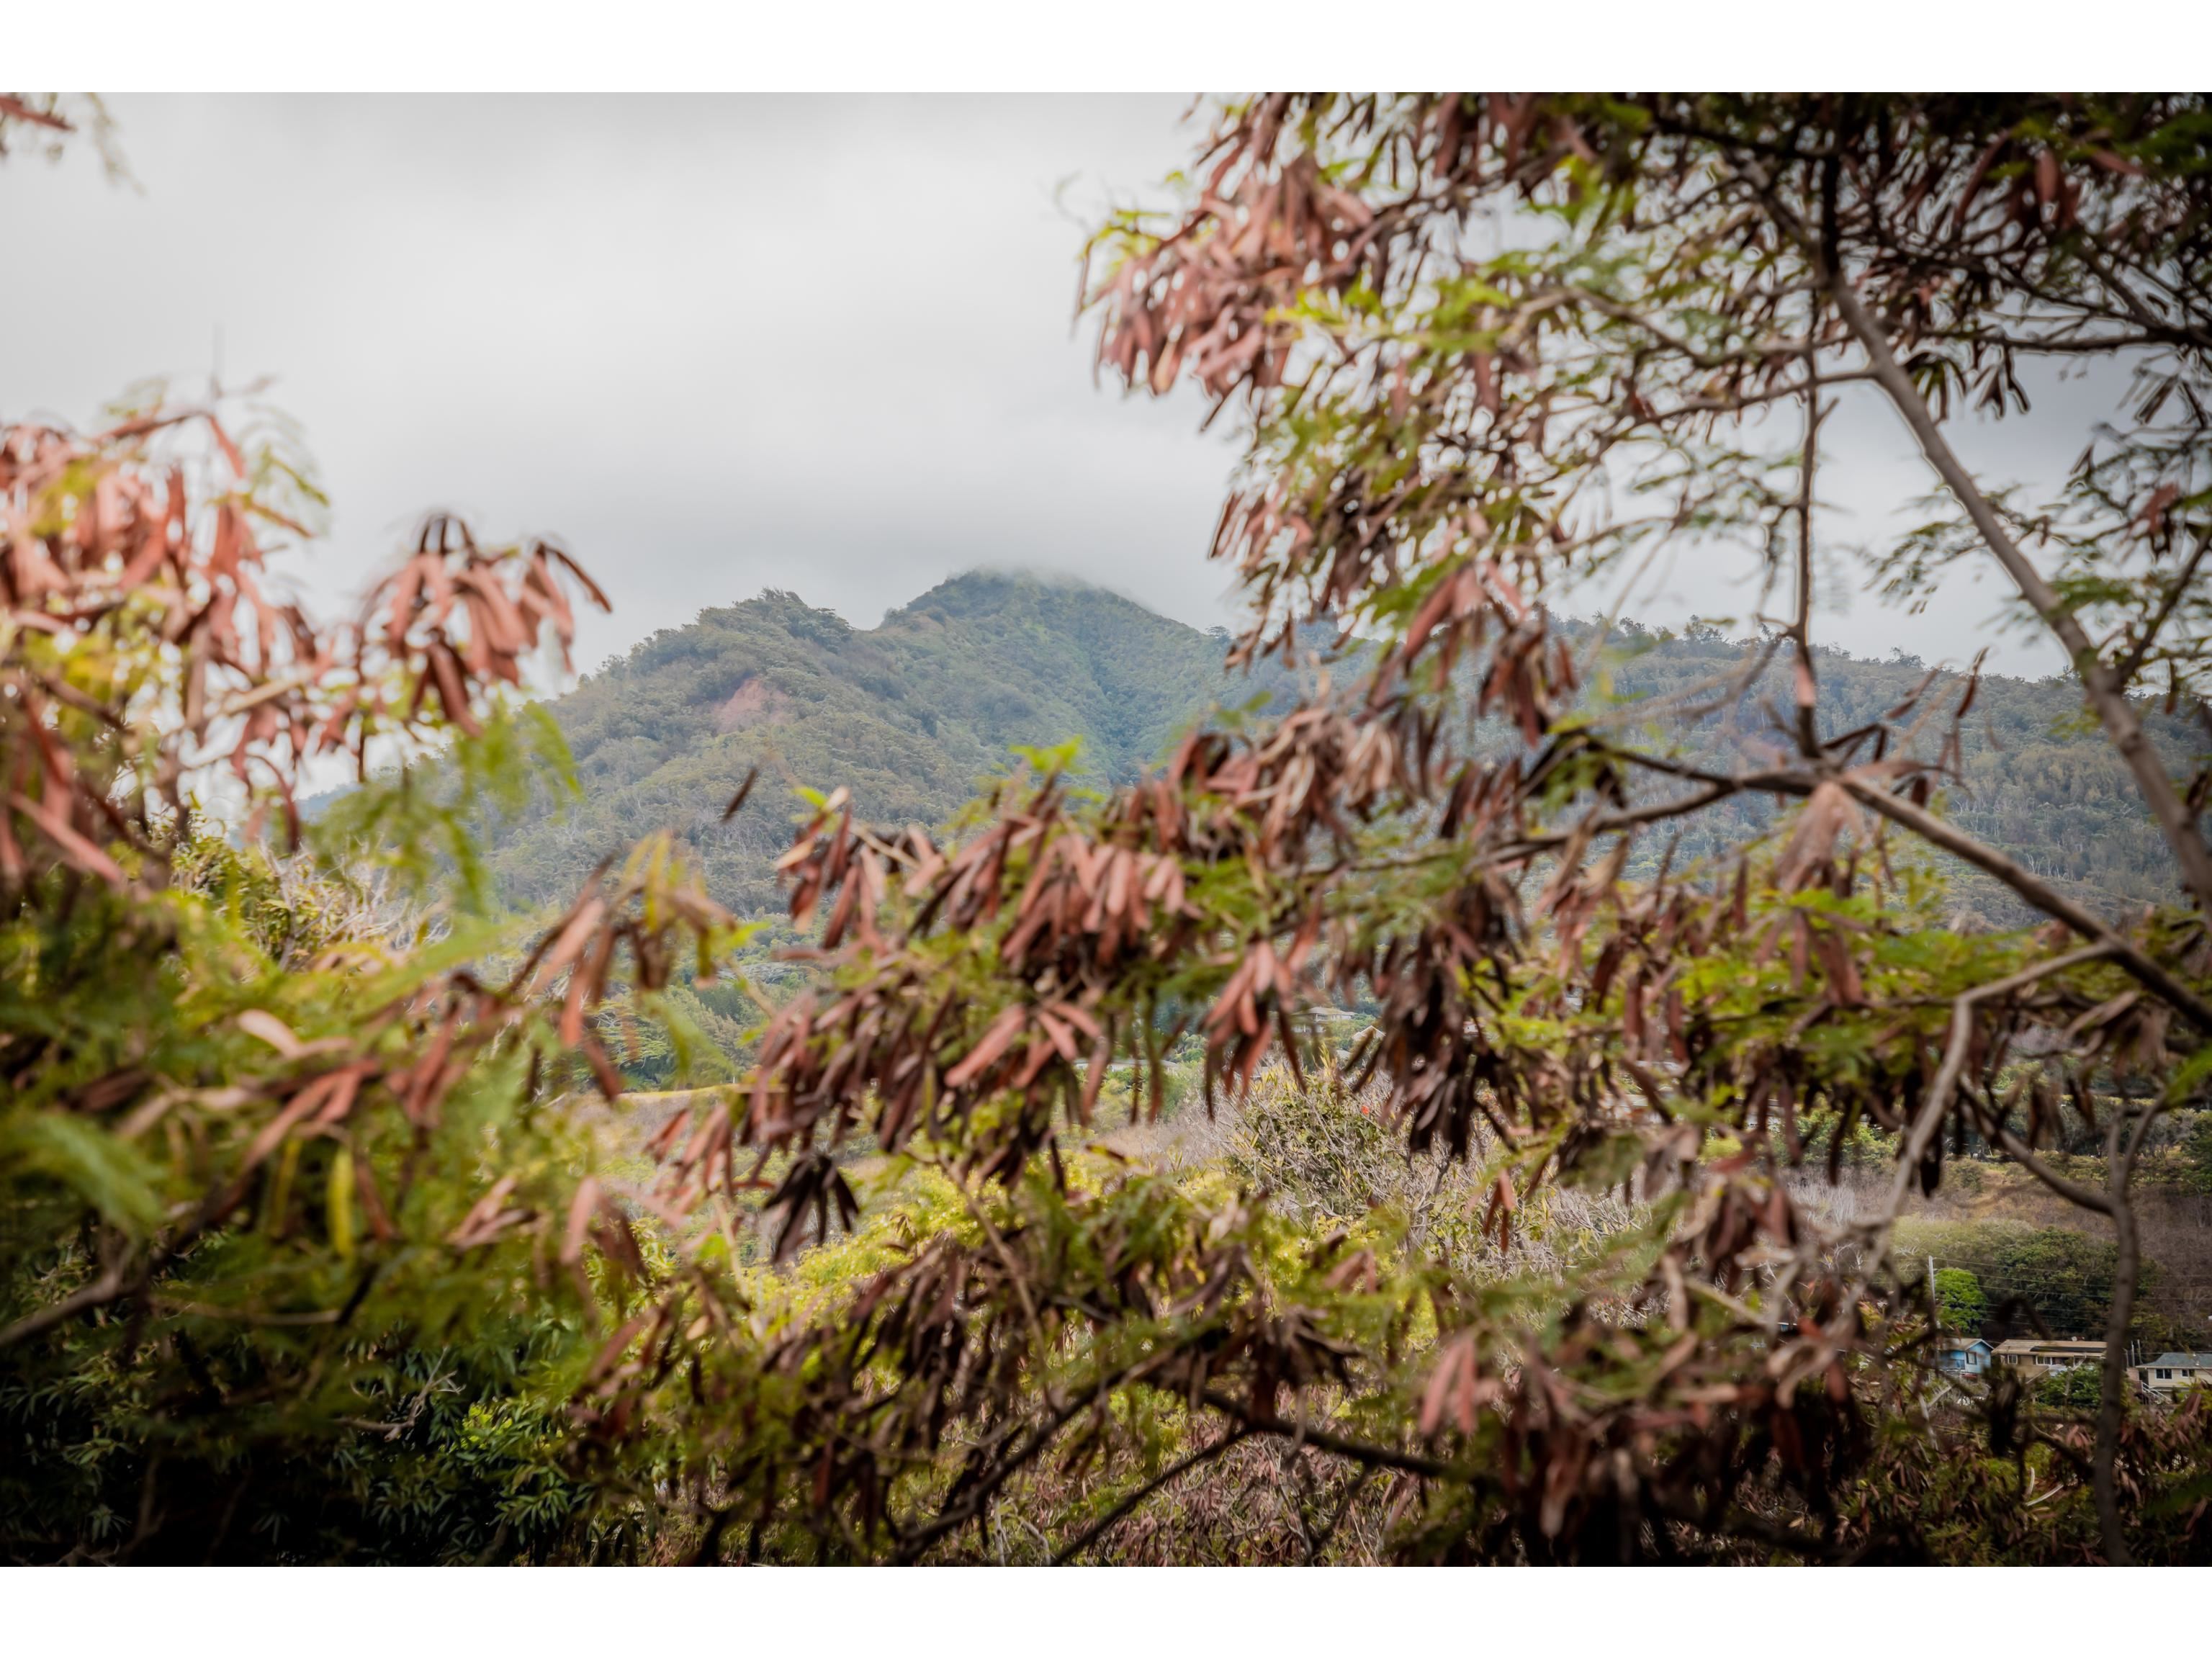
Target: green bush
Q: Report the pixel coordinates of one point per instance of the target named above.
(1960, 1302)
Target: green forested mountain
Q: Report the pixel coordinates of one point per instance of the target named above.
(910, 714)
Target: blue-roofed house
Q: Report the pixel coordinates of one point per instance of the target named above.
(1963, 1356)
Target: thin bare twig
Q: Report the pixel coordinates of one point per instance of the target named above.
(2040, 894)
(2107, 695)
(1938, 1100)
(111, 1285)
(1105, 1523)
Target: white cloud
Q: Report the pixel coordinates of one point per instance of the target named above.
(715, 343)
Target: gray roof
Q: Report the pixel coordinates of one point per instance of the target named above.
(2192, 1361)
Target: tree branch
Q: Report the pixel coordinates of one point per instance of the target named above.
(1098, 1529)
(1805, 691)
(107, 1288)
(2131, 664)
(954, 1515)
(2106, 695)
(1932, 1109)
(1929, 828)
(1995, 1131)
(2111, 1394)
(2134, 304)
(1718, 787)
(2097, 345)
(1358, 1450)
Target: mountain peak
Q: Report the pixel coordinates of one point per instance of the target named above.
(909, 715)
(986, 588)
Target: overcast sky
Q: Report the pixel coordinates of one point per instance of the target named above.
(717, 344)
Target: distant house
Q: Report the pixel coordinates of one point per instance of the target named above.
(2041, 1359)
(1963, 1356)
(2170, 1373)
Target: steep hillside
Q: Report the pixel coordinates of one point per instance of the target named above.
(907, 716)
(910, 714)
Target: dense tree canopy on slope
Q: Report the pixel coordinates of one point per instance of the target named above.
(909, 715)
